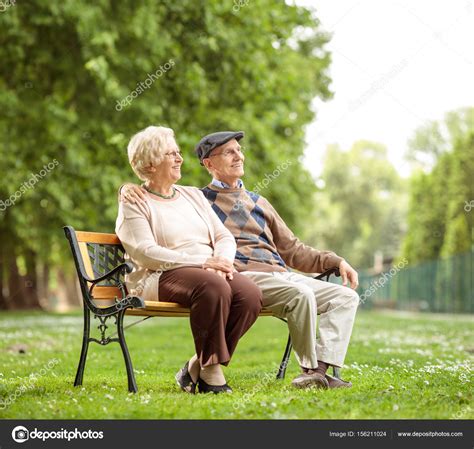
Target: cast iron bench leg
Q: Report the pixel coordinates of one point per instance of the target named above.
(132, 384)
(85, 347)
(285, 360)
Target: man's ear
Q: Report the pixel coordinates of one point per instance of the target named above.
(208, 164)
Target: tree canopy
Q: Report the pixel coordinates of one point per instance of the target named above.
(360, 206)
(66, 66)
(440, 218)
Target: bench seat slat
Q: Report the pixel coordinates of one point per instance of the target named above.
(152, 308)
(162, 308)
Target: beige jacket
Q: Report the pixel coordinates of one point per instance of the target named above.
(141, 231)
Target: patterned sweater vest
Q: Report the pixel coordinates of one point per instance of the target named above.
(247, 216)
(264, 241)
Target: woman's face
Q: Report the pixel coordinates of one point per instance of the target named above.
(170, 167)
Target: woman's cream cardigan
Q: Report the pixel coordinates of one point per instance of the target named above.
(141, 231)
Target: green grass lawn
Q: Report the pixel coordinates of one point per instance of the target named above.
(401, 365)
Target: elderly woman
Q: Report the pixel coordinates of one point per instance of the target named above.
(183, 253)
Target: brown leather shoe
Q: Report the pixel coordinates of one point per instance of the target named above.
(334, 382)
(309, 380)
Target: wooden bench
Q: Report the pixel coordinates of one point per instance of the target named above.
(101, 267)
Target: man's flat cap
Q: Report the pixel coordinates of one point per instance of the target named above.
(214, 140)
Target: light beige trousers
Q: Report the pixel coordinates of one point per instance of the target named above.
(299, 299)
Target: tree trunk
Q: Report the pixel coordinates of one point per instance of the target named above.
(3, 302)
(31, 281)
(22, 293)
(68, 290)
(16, 285)
(43, 284)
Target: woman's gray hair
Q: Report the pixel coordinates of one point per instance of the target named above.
(148, 147)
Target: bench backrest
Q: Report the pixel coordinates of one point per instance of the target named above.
(95, 254)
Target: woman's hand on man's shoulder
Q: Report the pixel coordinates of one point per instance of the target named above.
(133, 194)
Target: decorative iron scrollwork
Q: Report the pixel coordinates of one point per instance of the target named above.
(103, 329)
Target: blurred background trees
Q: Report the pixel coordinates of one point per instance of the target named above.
(440, 220)
(360, 205)
(363, 207)
(65, 65)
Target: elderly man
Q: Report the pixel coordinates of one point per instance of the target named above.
(266, 250)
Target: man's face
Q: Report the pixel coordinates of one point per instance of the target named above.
(226, 161)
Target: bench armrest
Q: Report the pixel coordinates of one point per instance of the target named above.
(126, 301)
(127, 267)
(327, 274)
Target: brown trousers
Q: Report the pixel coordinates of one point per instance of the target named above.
(221, 310)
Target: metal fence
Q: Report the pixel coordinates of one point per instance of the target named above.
(444, 285)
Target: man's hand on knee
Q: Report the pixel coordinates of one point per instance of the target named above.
(348, 273)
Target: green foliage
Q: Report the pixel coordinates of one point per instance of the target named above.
(459, 229)
(435, 138)
(65, 65)
(440, 222)
(360, 210)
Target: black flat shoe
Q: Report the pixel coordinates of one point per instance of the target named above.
(185, 381)
(206, 388)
